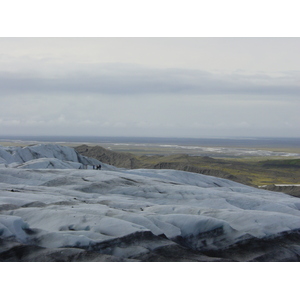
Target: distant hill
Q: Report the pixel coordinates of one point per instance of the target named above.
(200, 164)
(251, 173)
(120, 160)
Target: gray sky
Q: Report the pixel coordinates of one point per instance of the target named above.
(185, 87)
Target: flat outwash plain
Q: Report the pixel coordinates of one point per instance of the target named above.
(54, 206)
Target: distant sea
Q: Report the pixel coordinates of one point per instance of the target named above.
(258, 142)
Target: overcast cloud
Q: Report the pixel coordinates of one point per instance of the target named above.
(123, 80)
(189, 87)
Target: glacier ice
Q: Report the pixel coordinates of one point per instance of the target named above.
(51, 198)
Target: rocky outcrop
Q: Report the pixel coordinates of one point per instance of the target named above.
(120, 160)
(292, 190)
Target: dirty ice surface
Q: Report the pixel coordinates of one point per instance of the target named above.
(56, 205)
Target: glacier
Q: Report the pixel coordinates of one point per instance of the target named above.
(55, 207)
